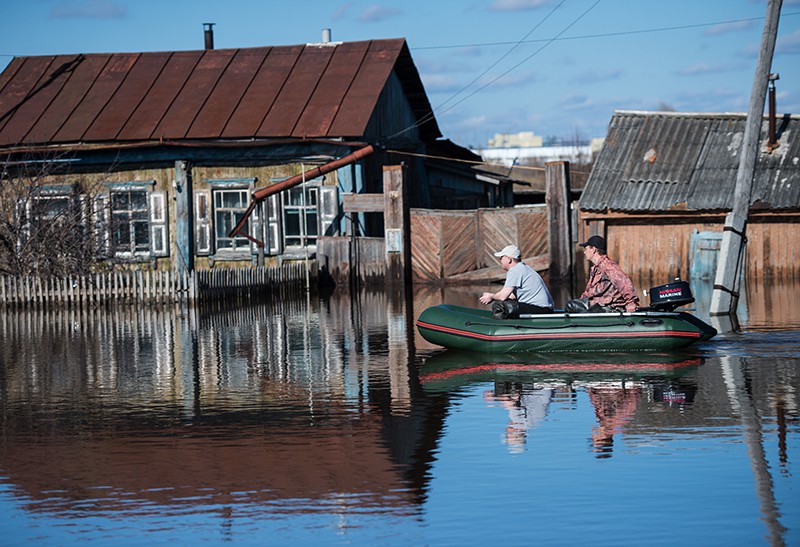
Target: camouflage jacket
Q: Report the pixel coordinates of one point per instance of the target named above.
(609, 286)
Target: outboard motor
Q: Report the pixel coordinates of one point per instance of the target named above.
(670, 296)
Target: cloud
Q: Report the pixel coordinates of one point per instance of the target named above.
(88, 9)
(518, 5)
(440, 83)
(376, 13)
(577, 102)
(594, 77)
(474, 121)
(788, 45)
(699, 69)
(725, 28)
(709, 100)
(341, 12)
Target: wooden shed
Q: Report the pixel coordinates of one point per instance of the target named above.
(664, 181)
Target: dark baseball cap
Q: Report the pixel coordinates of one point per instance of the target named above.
(595, 241)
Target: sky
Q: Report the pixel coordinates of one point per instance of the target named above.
(558, 68)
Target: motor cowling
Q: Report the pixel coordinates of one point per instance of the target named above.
(670, 296)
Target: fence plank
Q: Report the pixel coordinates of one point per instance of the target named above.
(152, 287)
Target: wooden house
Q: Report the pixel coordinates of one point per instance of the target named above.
(663, 183)
(173, 145)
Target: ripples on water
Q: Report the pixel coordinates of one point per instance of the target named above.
(328, 421)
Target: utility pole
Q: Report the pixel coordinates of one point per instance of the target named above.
(724, 298)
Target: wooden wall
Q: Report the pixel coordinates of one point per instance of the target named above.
(446, 243)
(658, 247)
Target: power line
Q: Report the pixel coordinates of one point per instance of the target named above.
(506, 54)
(431, 115)
(559, 38)
(490, 82)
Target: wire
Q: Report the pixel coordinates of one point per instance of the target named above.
(605, 35)
(506, 54)
(475, 162)
(430, 116)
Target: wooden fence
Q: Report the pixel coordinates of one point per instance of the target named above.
(452, 242)
(151, 287)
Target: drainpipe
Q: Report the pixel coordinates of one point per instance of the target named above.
(263, 193)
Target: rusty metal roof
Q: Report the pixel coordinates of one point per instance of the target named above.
(303, 91)
(667, 161)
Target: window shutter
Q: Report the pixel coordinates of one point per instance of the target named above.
(328, 210)
(159, 227)
(273, 225)
(202, 224)
(100, 225)
(256, 226)
(23, 216)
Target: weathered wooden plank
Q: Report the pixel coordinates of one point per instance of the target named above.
(362, 203)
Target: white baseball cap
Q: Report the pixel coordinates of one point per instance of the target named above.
(510, 251)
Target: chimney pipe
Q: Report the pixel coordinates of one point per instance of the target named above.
(772, 143)
(326, 35)
(209, 34)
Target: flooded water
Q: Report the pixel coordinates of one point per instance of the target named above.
(328, 421)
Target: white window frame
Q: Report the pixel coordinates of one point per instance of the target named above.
(242, 248)
(159, 224)
(132, 253)
(303, 209)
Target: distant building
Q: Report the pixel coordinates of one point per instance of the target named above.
(524, 139)
(536, 155)
(525, 148)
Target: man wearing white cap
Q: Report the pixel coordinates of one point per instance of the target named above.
(524, 290)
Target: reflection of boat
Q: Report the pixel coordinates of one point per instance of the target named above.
(451, 368)
(477, 330)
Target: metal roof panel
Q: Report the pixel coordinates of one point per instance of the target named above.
(323, 105)
(17, 91)
(115, 114)
(362, 96)
(257, 101)
(98, 95)
(181, 114)
(149, 112)
(293, 98)
(68, 98)
(233, 83)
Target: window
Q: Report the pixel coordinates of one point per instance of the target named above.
(54, 213)
(53, 209)
(130, 223)
(300, 216)
(284, 222)
(134, 219)
(230, 206)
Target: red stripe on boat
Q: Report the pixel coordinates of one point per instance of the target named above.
(514, 337)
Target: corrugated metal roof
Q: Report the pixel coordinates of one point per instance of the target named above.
(661, 161)
(303, 91)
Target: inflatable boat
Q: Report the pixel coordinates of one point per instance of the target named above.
(657, 328)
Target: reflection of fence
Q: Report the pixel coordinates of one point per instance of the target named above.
(150, 287)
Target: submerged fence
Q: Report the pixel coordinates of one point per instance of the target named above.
(151, 287)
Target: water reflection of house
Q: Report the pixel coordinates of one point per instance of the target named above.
(139, 407)
(176, 143)
(663, 182)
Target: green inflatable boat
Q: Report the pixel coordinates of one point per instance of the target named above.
(477, 330)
